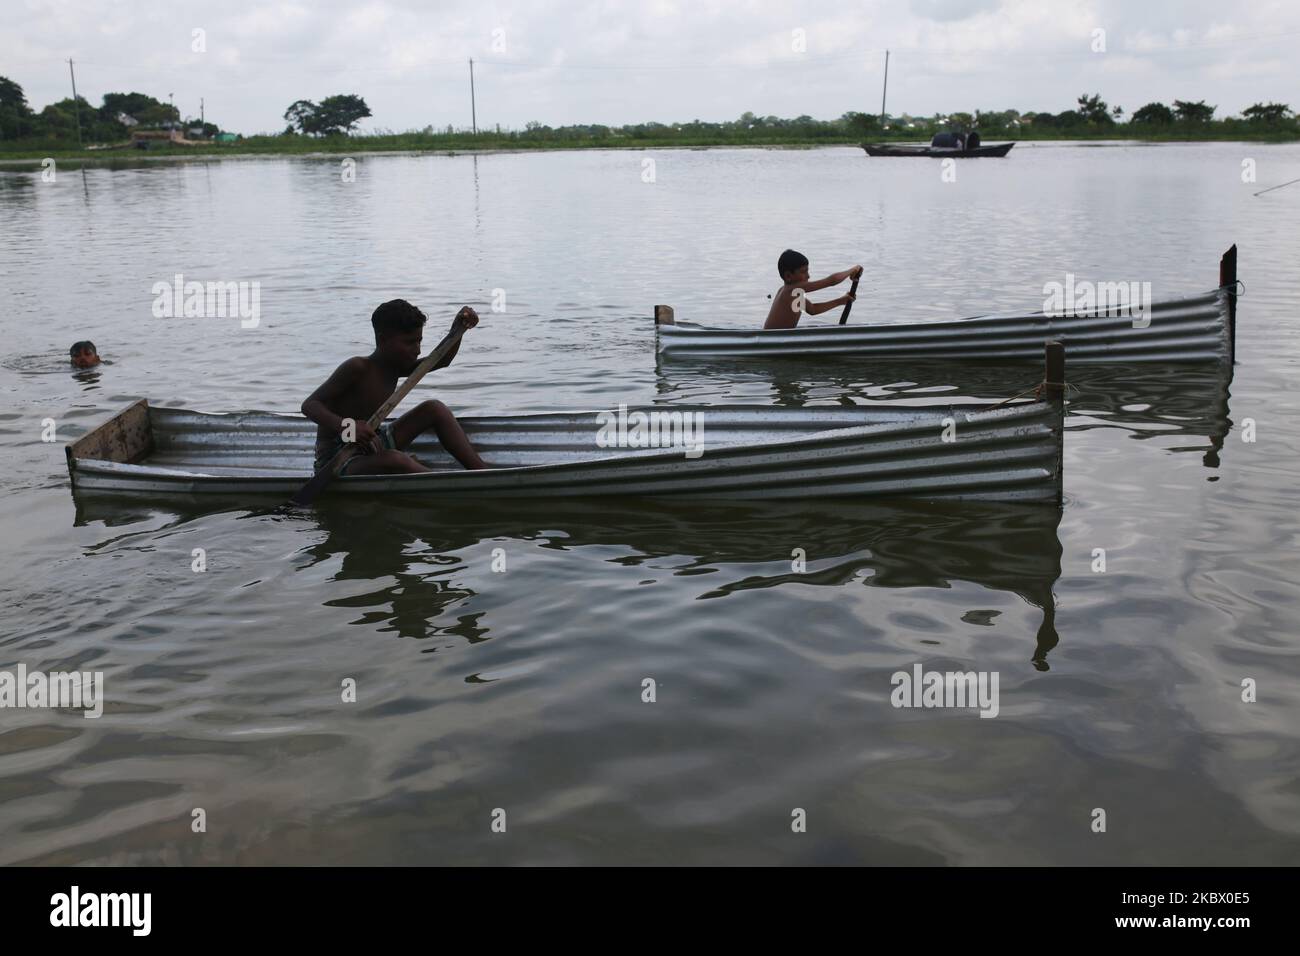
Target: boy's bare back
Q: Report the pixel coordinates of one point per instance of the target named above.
(787, 307)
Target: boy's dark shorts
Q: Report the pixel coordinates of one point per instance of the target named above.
(385, 433)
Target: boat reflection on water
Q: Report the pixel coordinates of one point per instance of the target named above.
(1153, 401)
(410, 550)
(1148, 401)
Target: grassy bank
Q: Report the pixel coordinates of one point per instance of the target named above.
(25, 153)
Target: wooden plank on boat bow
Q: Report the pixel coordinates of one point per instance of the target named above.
(126, 437)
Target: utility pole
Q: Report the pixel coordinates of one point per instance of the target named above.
(76, 106)
(202, 120)
(883, 91)
(473, 111)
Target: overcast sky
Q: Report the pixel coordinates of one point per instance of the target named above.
(621, 61)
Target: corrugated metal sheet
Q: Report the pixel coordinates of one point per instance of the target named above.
(1010, 452)
(1184, 330)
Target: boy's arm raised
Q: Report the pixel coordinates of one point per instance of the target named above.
(469, 318)
(835, 278)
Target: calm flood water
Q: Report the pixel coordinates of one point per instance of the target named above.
(521, 690)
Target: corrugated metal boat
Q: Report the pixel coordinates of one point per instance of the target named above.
(1002, 453)
(888, 149)
(1196, 329)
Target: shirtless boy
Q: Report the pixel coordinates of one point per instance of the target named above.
(789, 303)
(360, 385)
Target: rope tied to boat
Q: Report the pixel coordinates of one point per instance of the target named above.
(1037, 392)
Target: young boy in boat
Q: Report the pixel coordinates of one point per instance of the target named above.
(360, 385)
(791, 302)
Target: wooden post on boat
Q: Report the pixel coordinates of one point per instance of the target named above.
(1228, 278)
(1054, 392)
(1054, 372)
(663, 315)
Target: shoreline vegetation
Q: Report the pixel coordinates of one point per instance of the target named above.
(26, 154)
(132, 126)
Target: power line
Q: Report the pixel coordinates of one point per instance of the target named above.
(76, 106)
(473, 111)
(884, 89)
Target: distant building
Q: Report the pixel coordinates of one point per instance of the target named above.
(127, 121)
(147, 138)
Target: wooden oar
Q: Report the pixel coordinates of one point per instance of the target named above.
(853, 290)
(310, 491)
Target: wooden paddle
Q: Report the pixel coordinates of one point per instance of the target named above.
(310, 491)
(853, 290)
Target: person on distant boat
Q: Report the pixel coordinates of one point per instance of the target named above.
(791, 302)
(83, 355)
(360, 385)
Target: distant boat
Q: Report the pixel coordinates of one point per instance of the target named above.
(889, 149)
(960, 145)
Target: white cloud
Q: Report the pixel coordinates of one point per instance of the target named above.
(610, 61)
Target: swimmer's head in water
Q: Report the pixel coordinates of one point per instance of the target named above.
(84, 355)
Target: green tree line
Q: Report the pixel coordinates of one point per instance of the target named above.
(334, 120)
(57, 122)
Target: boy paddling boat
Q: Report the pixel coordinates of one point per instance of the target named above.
(791, 302)
(358, 387)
